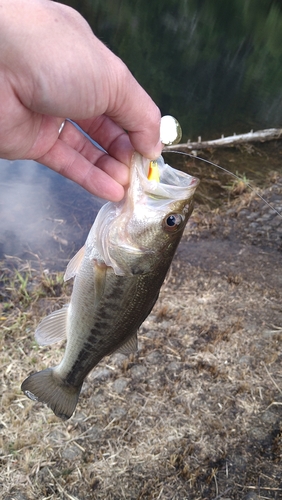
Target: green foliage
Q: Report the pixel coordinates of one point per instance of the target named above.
(19, 289)
(213, 64)
(239, 185)
(22, 288)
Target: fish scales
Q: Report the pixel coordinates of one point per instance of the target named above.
(107, 336)
(125, 305)
(118, 275)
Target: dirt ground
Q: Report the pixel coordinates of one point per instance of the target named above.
(197, 413)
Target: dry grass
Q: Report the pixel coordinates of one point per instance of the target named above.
(196, 415)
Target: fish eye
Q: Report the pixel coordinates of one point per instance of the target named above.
(172, 222)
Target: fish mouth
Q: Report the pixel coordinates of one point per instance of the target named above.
(172, 184)
(118, 226)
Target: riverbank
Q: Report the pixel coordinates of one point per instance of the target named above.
(197, 413)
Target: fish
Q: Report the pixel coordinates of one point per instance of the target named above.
(117, 275)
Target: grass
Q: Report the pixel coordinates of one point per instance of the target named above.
(196, 415)
(238, 186)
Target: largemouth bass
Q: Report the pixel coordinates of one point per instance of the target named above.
(118, 274)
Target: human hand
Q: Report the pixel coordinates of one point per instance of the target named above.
(51, 67)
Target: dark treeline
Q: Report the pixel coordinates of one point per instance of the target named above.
(215, 65)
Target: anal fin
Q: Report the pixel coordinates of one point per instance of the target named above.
(129, 346)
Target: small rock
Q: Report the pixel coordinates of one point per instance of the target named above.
(102, 374)
(244, 212)
(94, 433)
(97, 398)
(277, 221)
(264, 218)
(120, 385)
(79, 417)
(258, 433)
(43, 474)
(253, 216)
(118, 358)
(245, 360)
(174, 366)
(154, 357)
(138, 372)
(165, 324)
(15, 495)
(152, 334)
(269, 417)
(71, 452)
(251, 496)
(57, 436)
(270, 334)
(118, 413)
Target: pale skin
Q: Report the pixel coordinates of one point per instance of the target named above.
(53, 67)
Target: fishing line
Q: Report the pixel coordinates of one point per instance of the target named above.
(228, 172)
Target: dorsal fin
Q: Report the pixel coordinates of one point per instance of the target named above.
(74, 264)
(53, 328)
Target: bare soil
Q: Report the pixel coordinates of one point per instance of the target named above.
(197, 413)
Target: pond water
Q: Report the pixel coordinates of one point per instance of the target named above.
(214, 65)
(38, 223)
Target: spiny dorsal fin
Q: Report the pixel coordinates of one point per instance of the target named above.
(53, 328)
(74, 264)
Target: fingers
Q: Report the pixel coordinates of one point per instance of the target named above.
(132, 108)
(105, 85)
(110, 136)
(76, 158)
(105, 99)
(114, 140)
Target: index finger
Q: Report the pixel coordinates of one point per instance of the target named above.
(133, 109)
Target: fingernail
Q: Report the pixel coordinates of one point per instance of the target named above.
(61, 127)
(158, 150)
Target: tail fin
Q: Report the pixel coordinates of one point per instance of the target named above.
(47, 387)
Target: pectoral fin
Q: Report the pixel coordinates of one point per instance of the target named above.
(53, 328)
(74, 264)
(100, 272)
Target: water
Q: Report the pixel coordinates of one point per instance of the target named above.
(38, 223)
(214, 65)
